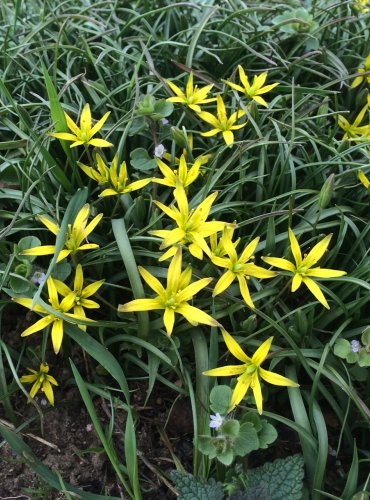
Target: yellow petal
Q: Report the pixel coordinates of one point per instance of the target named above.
(225, 371)
(240, 390)
(100, 143)
(195, 315)
(35, 388)
(296, 282)
(279, 263)
(39, 325)
(261, 353)
(223, 283)
(138, 305)
(169, 320)
(317, 272)
(316, 291)
(188, 293)
(174, 271)
(152, 281)
(260, 100)
(275, 379)
(42, 250)
(294, 245)
(48, 391)
(234, 347)
(85, 120)
(57, 334)
(317, 251)
(244, 290)
(228, 137)
(257, 392)
(64, 136)
(249, 250)
(99, 124)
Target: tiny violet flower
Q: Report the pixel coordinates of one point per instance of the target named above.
(164, 121)
(216, 421)
(159, 151)
(355, 345)
(38, 278)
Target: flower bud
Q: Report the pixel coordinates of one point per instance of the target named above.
(326, 192)
(179, 137)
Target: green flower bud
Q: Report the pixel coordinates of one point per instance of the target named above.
(326, 192)
(179, 137)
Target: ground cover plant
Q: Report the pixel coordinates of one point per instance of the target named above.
(184, 235)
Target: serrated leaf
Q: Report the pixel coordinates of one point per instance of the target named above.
(191, 488)
(283, 478)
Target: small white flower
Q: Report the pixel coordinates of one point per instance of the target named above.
(355, 345)
(216, 421)
(159, 151)
(38, 277)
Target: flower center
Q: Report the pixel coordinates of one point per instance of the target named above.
(171, 302)
(237, 268)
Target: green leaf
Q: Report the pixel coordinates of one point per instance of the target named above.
(206, 446)
(231, 428)
(283, 478)
(342, 348)
(220, 398)
(363, 358)
(191, 488)
(267, 434)
(226, 456)
(141, 160)
(246, 441)
(162, 109)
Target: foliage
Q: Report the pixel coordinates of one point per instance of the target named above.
(238, 132)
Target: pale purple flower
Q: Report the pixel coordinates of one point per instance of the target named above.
(355, 345)
(38, 277)
(159, 151)
(216, 421)
(164, 121)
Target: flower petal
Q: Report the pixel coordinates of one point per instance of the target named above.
(138, 305)
(276, 379)
(223, 283)
(225, 371)
(57, 334)
(280, 263)
(195, 315)
(316, 291)
(261, 353)
(294, 245)
(169, 320)
(234, 347)
(152, 281)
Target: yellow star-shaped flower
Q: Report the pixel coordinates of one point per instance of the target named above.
(353, 131)
(84, 134)
(192, 97)
(77, 233)
(174, 298)
(192, 227)
(42, 382)
(255, 90)
(222, 124)
(239, 268)
(303, 270)
(249, 372)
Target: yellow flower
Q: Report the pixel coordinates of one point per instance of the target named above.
(255, 90)
(360, 5)
(239, 268)
(183, 175)
(192, 96)
(363, 179)
(192, 228)
(84, 134)
(174, 298)
(217, 248)
(359, 79)
(80, 295)
(354, 131)
(119, 182)
(222, 124)
(63, 307)
(42, 382)
(249, 372)
(77, 233)
(303, 270)
(100, 174)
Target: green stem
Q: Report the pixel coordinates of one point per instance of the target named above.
(124, 246)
